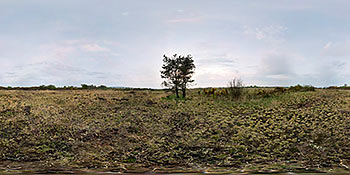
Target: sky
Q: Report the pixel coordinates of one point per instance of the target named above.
(122, 42)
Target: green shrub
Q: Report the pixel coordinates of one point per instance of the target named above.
(299, 88)
(279, 90)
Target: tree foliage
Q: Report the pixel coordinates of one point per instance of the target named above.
(177, 71)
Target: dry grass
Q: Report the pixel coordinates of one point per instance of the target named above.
(100, 128)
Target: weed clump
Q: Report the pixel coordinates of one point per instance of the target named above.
(235, 88)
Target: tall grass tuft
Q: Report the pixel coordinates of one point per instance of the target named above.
(235, 88)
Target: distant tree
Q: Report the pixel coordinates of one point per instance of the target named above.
(102, 87)
(84, 86)
(177, 72)
(51, 87)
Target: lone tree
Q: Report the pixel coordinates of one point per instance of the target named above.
(177, 72)
(186, 71)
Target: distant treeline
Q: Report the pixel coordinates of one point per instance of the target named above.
(304, 88)
(103, 87)
(345, 87)
(82, 87)
(53, 87)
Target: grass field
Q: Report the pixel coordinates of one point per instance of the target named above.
(111, 128)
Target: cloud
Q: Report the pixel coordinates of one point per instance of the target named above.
(215, 69)
(337, 49)
(328, 45)
(327, 74)
(310, 51)
(277, 66)
(270, 32)
(94, 48)
(125, 13)
(214, 76)
(225, 60)
(66, 62)
(115, 54)
(288, 68)
(184, 20)
(70, 48)
(54, 73)
(180, 11)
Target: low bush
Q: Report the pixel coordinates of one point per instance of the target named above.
(299, 88)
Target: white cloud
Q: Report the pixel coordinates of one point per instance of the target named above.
(78, 40)
(180, 11)
(214, 75)
(216, 69)
(115, 54)
(223, 60)
(53, 51)
(185, 20)
(271, 32)
(52, 73)
(277, 64)
(94, 48)
(63, 51)
(337, 49)
(67, 49)
(329, 44)
(73, 41)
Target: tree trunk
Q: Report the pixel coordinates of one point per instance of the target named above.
(177, 91)
(184, 92)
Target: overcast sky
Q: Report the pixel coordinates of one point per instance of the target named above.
(121, 42)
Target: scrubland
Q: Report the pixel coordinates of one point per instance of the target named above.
(122, 128)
